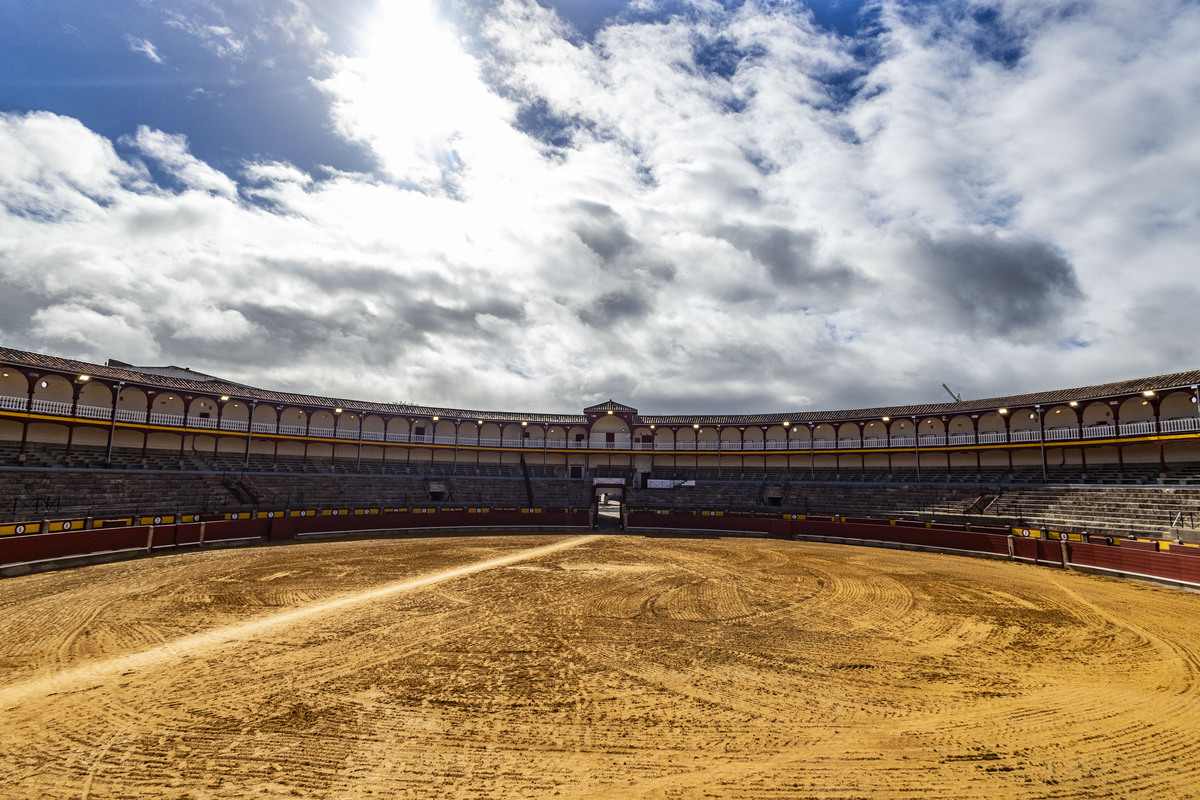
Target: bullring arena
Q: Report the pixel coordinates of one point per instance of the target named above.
(220, 591)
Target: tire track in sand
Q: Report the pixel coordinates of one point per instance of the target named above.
(87, 676)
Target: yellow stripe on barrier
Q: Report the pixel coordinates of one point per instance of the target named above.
(159, 520)
(19, 528)
(305, 512)
(334, 512)
(268, 514)
(66, 525)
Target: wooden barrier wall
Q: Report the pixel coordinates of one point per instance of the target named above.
(37, 550)
(1125, 557)
(1139, 558)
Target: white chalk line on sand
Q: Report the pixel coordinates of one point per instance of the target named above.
(97, 672)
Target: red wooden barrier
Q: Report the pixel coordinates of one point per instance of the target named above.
(1123, 556)
(51, 546)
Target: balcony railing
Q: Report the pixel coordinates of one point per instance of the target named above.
(1017, 436)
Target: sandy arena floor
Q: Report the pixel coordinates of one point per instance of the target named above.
(561, 666)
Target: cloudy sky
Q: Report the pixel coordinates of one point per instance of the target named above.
(686, 205)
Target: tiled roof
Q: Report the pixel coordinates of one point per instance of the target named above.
(610, 405)
(24, 359)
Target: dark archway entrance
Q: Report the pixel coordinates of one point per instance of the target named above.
(608, 500)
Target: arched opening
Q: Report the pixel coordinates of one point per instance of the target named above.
(610, 432)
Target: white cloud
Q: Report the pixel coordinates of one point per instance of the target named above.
(144, 47)
(724, 210)
(92, 332)
(219, 38)
(53, 167)
(171, 152)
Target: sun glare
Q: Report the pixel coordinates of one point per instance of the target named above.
(412, 92)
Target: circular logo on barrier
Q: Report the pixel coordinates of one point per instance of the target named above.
(235, 516)
(158, 520)
(270, 515)
(1062, 536)
(335, 512)
(795, 516)
(1025, 532)
(20, 529)
(366, 511)
(304, 513)
(423, 510)
(66, 526)
(1108, 540)
(712, 513)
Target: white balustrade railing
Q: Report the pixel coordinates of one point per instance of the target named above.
(1137, 429)
(93, 412)
(50, 407)
(1181, 425)
(1066, 433)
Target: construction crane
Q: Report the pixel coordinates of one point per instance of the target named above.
(950, 392)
